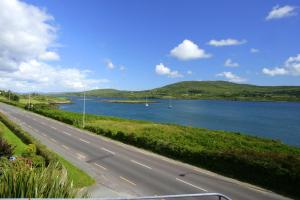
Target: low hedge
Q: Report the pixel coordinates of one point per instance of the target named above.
(42, 150)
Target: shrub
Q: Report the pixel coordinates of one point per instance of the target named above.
(19, 180)
(6, 150)
(41, 149)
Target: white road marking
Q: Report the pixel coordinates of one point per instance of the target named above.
(54, 140)
(128, 181)
(64, 146)
(191, 184)
(80, 156)
(43, 123)
(140, 164)
(44, 134)
(100, 166)
(104, 149)
(66, 133)
(53, 127)
(84, 140)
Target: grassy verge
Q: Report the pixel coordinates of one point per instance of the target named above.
(263, 162)
(11, 138)
(16, 136)
(79, 177)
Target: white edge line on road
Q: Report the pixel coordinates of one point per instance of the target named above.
(80, 156)
(54, 140)
(140, 164)
(64, 146)
(66, 133)
(84, 140)
(191, 185)
(104, 149)
(128, 181)
(100, 166)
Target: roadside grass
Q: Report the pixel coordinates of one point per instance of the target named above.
(12, 139)
(80, 178)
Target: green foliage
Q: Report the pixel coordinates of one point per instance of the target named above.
(19, 180)
(30, 150)
(28, 139)
(11, 138)
(6, 149)
(45, 156)
(264, 162)
(10, 95)
(207, 90)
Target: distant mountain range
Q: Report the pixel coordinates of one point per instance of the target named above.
(205, 90)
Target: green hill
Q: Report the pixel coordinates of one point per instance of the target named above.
(207, 90)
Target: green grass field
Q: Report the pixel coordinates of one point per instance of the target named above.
(38, 99)
(11, 138)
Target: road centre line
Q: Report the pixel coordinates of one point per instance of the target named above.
(84, 140)
(128, 181)
(66, 133)
(140, 164)
(54, 140)
(64, 146)
(191, 185)
(104, 149)
(100, 166)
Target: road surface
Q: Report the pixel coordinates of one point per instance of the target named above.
(123, 170)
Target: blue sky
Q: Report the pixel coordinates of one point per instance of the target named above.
(128, 44)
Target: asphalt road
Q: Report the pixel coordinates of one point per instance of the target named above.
(123, 170)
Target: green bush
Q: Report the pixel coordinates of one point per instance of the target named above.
(41, 149)
(6, 150)
(19, 180)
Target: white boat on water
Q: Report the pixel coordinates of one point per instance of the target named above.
(146, 104)
(170, 104)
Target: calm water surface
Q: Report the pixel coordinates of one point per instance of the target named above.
(277, 120)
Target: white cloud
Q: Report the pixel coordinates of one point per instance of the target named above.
(275, 71)
(161, 69)
(253, 50)
(231, 77)
(230, 63)
(38, 76)
(49, 56)
(281, 12)
(290, 67)
(26, 37)
(188, 50)
(226, 42)
(109, 64)
(189, 72)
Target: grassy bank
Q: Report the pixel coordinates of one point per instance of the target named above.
(263, 162)
(36, 99)
(11, 138)
(14, 134)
